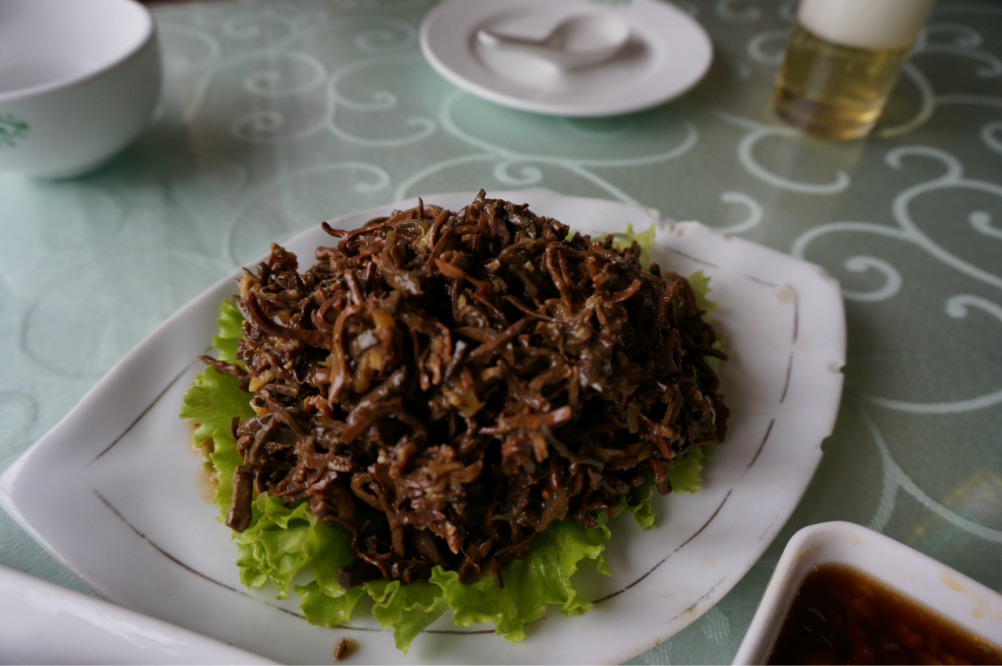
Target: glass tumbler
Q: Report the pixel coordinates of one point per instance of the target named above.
(842, 59)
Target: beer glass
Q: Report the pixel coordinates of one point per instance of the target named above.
(842, 59)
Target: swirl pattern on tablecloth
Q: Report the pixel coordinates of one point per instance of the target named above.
(277, 115)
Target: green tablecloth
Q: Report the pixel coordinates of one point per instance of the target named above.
(278, 114)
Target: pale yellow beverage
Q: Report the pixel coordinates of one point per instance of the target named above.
(842, 59)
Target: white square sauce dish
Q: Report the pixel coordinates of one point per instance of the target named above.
(901, 585)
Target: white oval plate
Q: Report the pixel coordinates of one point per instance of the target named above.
(667, 54)
(116, 493)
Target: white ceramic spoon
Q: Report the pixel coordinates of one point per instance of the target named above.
(579, 41)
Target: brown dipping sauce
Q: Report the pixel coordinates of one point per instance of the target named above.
(843, 616)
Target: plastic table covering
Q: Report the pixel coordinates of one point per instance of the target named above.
(278, 114)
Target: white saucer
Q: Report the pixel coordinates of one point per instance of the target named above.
(667, 54)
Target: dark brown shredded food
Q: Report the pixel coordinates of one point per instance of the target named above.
(340, 650)
(445, 385)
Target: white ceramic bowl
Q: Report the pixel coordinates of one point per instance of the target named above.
(79, 80)
(956, 597)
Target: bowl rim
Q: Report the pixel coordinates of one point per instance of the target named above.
(148, 34)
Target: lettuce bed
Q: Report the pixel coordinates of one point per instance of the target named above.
(282, 541)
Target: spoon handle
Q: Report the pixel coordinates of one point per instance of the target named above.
(497, 40)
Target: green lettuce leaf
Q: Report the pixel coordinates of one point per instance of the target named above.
(684, 477)
(283, 540)
(540, 578)
(644, 238)
(273, 547)
(638, 502)
(322, 609)
(700, 283)
(230, 324)
(407, 609)
(684, 474)
(211, 402)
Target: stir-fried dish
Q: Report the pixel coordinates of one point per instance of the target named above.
(444, 386)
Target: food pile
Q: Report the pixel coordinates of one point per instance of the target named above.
(445, 386)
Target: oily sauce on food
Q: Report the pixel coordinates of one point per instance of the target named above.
(843, 616)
